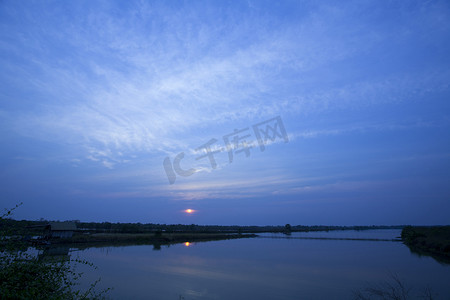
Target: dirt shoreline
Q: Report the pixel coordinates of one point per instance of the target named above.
(146, 238)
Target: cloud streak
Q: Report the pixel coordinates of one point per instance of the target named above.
(142, 96)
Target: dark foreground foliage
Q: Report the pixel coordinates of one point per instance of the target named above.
(26, 276)
(393, 289)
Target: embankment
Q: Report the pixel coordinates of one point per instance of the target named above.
(432, 241)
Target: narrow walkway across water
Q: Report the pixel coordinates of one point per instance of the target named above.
(332, 239)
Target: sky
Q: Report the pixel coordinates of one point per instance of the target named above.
(246, 112)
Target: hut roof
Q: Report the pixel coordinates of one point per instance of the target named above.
(63, 226)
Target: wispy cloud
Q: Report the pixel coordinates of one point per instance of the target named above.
(368, 127)
(130, 89)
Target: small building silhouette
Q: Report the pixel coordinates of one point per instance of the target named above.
(62, 229)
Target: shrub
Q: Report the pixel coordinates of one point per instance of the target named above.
(25, 276)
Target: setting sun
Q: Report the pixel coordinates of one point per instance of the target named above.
(187, 244)
(189, 211)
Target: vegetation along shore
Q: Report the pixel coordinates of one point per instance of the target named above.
(433, 241)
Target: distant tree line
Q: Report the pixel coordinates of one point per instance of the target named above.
(23, 227)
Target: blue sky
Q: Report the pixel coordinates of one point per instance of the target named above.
(95, 95)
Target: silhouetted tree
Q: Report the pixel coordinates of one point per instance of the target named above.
(287, 227)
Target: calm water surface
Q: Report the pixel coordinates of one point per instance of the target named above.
(264, 268)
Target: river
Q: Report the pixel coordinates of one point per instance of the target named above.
(270, 267)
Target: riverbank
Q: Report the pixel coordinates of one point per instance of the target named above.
(146, 238)
(433, 241)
